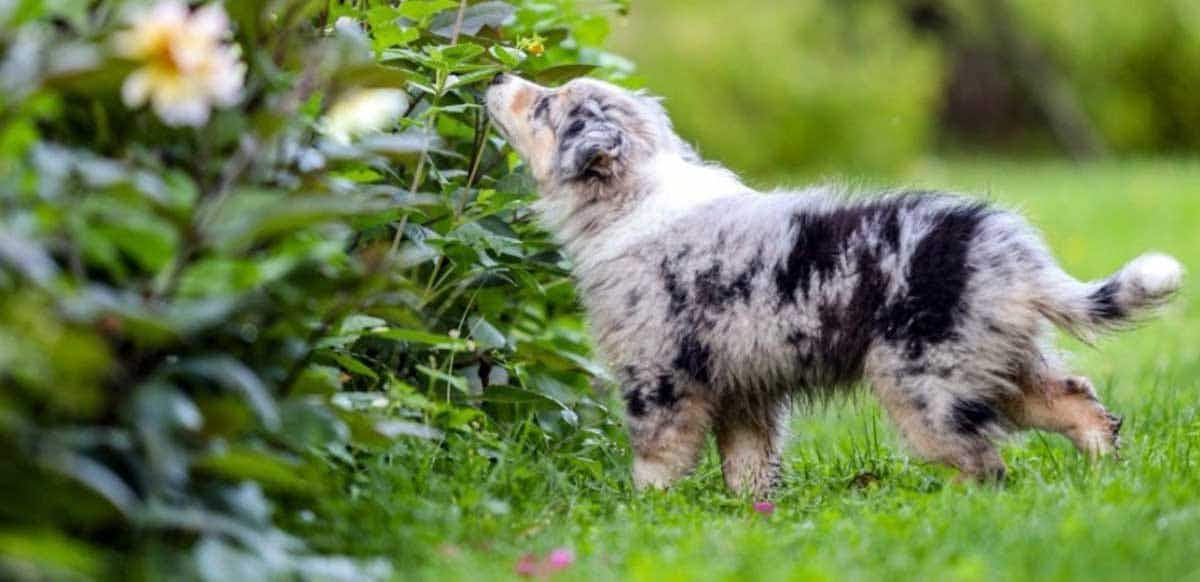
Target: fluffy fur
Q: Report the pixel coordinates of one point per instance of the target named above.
(717, 306)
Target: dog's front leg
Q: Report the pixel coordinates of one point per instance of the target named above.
(666, 439)
(750, 448)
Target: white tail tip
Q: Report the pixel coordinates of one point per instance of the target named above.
(1156, 274)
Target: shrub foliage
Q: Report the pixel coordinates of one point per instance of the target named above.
(202, 327)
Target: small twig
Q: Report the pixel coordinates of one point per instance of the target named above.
(458, 22)
(481, 130)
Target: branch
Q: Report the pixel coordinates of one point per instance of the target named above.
(458, 20)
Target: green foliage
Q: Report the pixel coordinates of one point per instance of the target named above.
(1135, 71)
(205, 331)
(821, 86)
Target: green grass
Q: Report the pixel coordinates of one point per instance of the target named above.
(469, 508)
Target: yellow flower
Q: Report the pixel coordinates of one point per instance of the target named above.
(187, 67)
(534, 45)
(364, 111)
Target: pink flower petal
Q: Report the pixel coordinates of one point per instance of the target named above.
(764, 507)
(527, 565)
(560, 559)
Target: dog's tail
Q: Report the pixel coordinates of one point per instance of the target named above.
(1132, 294)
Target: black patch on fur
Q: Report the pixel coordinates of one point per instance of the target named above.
(632, 298)
(676, 294)
(890, 226)
(817, 248)
(594, 175)
(693, 358)
(664, 392)
(848, 330)
(741, 284)
(937, 277)
(542, 108)
(713, 292)
(1104, 304)
(710, 291)
(573, 130)
(634, 403)
(971, 416)
(797, 337)
(822, 239)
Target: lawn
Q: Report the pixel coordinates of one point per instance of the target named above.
(853, 504)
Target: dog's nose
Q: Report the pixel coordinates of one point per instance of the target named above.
(498, 79)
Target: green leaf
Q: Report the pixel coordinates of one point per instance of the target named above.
(561, 74)
(437, 376)
(51, 553)
(349, 363)
(386, 37)
(151, 243)
(395, 428)
(256, 216)
(27, 258)
(235, 376)
(309, 424)
(437, 341)
(242, 464)
(421, 10)
(372, 76)
(93, 474)
(486, 335)
(510, 57)
(398, 146)
(511, 395)
(492, 14)
(317, 379)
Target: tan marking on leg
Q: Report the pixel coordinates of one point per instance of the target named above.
(1069, 406)
(667, 445)
(749, 456)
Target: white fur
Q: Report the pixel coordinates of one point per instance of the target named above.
(1156, 274)
(678, 188)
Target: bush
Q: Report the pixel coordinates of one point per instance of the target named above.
(825, 86)
(1136, 72)
(816, 86)
(212, 310)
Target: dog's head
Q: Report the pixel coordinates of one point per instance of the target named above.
(585, 132)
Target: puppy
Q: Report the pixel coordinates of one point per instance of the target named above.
(717, 306)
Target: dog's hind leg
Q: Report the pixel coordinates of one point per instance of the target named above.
(941, 425)
(750, 446)
(1069, 406)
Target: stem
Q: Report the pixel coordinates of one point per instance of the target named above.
(458, 20)
(481, 130)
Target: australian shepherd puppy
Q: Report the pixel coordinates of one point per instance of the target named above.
(717, 306)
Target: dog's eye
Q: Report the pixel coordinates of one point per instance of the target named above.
(575, 128)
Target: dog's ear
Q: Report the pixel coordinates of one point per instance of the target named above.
(590, 145)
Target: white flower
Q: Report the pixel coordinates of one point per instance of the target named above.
(363, 111)
(187, 67)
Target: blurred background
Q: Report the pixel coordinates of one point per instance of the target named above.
(869, 87)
